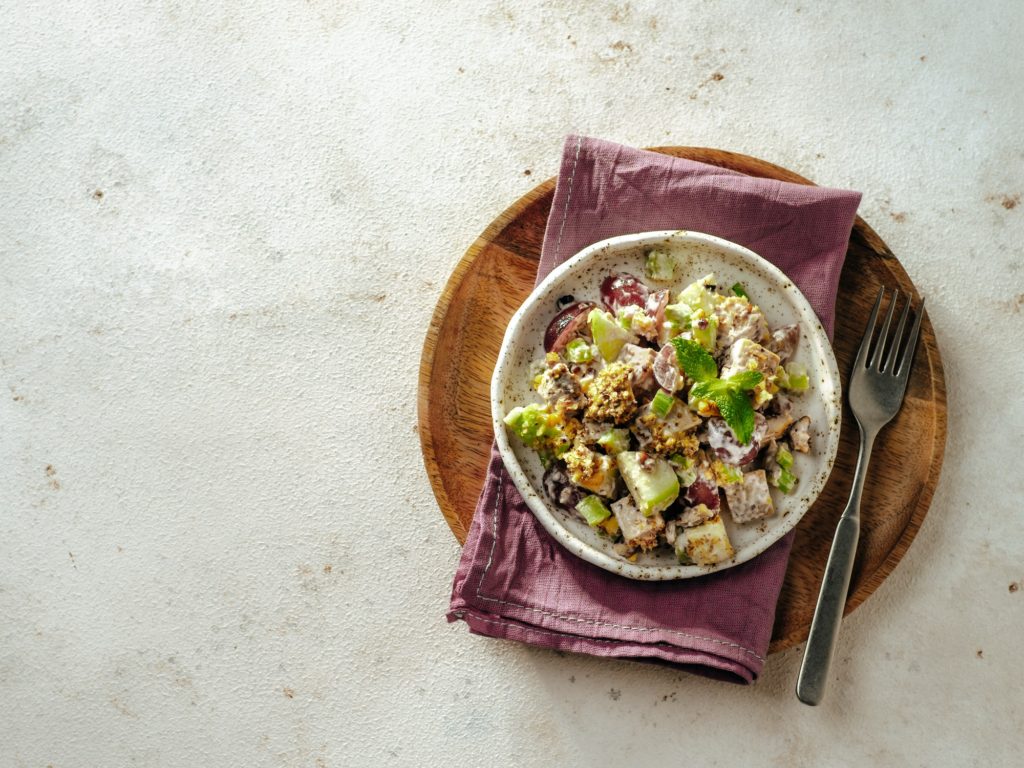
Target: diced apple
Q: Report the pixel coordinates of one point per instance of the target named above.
(651, 481)
(704, 544)
(608, 335)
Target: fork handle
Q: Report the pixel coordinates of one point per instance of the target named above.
(828, 613)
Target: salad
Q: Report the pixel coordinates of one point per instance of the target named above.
(660, 412)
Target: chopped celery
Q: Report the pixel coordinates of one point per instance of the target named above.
(538, 428)
(579, 351)
(660, 265)
(593, 510)
(787, 481)
(738, 290)
(614, 440)
(662, 404)
(784, 458)
(796, 377)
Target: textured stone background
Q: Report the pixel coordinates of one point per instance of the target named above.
(223, 231)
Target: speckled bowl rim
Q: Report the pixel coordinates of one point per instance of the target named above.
(534, 498)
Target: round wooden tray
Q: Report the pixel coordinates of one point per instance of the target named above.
(497, 274)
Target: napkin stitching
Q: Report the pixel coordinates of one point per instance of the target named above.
(529, 628)
(594, 622)
(568, 197)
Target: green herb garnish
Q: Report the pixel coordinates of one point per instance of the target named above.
(695, 361)
(728, 394)
(738, 290)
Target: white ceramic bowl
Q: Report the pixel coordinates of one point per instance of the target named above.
(699, 254)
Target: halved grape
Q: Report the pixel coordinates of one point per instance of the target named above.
(564, 327)
(666, 369)
(623, 290)
(702, 491)
(723, 441)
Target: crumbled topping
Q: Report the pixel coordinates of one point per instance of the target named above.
(611, 395)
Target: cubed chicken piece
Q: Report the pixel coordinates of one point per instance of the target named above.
(704, 544)
(784, 341)
(750, 499)
(641, 363)
(591, 470)
(638, 531)
(611, 395)
(696, 515)
(561, 389)
(739, 319)
(747, 355)
(800, 434)
(669, 435)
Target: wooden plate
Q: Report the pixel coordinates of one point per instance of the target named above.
(497, 274)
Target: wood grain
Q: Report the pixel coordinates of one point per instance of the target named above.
(497, 273)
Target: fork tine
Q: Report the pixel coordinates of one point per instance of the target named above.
(890, 359)
(869, 330)
(876, 357)
(908, 353)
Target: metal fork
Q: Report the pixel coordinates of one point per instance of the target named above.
(875, 394)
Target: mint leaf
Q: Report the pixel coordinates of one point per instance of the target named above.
(745, 380)
(706, 390)
(737, 411)
(695, 360)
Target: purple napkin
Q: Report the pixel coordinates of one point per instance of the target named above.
(514, 581)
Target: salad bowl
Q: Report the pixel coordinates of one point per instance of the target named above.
(696, 255)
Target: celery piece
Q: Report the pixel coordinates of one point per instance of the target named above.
(784, 458)
(662, 404)
(614, 441)
(537, 427)
(660, 265)
(787, 481)
(796, 375)
(593, 510)
(579, 351)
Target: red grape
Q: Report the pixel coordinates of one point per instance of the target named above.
(623, 290)
(566, 324)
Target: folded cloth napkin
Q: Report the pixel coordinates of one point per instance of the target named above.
(514, 581)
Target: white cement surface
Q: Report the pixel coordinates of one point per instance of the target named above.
(223, 229)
